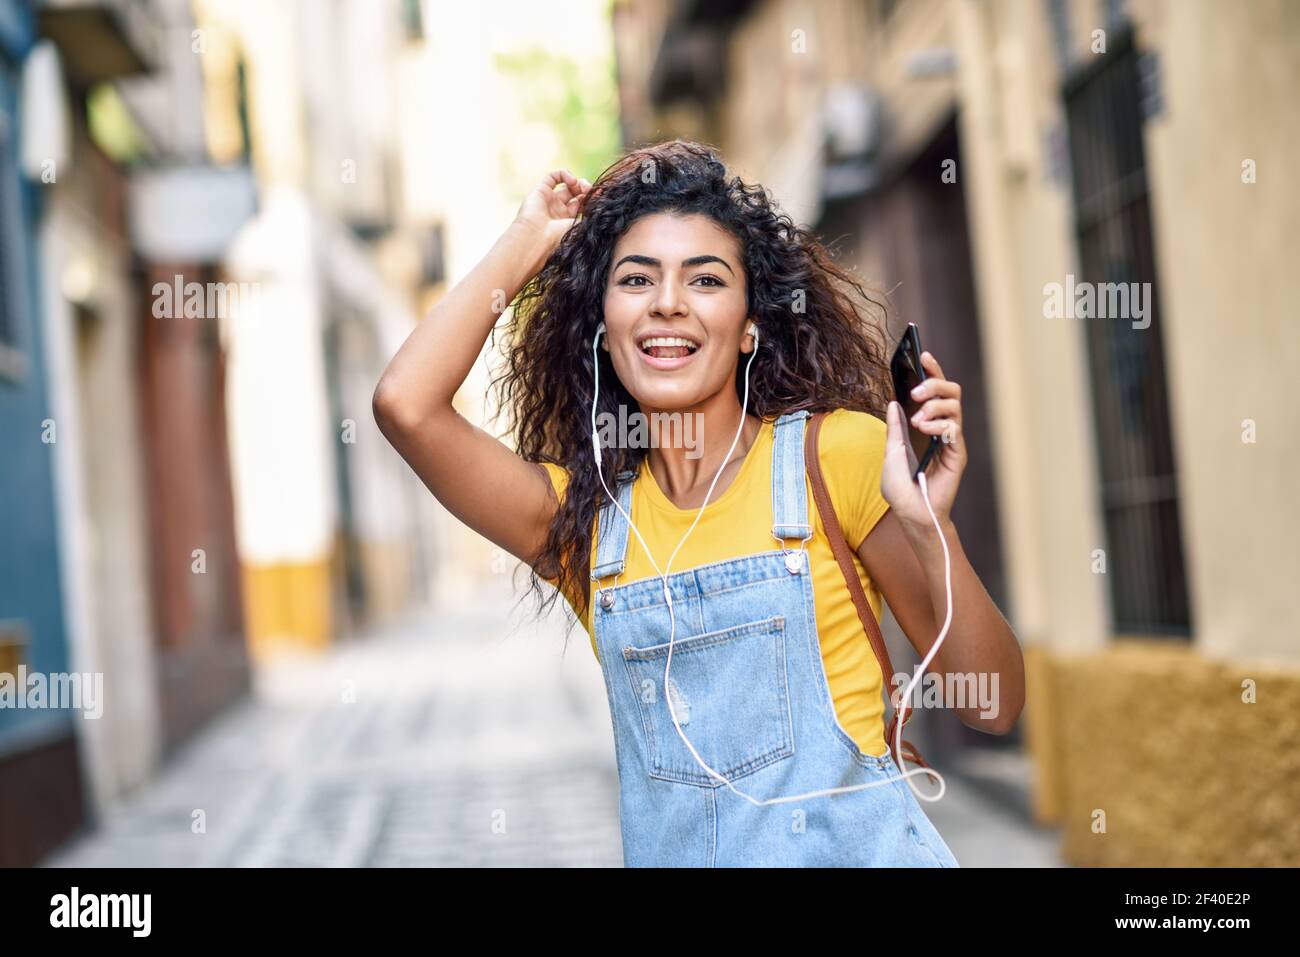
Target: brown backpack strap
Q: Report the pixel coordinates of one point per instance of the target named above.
(844, 555)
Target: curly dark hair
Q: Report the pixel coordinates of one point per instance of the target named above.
(819, 352)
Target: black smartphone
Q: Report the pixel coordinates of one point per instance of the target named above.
(908, 373)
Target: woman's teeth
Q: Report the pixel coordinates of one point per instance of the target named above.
(668, 347)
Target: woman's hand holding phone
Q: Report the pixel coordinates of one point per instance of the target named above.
(939, 415)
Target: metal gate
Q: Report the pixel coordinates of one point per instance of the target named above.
(1139, 492)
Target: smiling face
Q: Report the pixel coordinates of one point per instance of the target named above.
(675, 277)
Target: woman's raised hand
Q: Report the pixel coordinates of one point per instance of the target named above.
(508, 501)
(552, 206)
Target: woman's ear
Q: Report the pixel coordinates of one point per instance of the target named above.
(751, 333)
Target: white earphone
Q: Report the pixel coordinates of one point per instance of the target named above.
(752, 329)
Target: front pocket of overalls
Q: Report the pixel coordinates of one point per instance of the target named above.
(731, 698)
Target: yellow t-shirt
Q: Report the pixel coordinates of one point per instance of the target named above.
(739, 522)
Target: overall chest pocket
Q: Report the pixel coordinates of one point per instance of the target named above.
(730, 695)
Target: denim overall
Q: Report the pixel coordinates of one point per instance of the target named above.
(750, 693)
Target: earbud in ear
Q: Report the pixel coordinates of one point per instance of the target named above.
(600, 329)
(752, 329)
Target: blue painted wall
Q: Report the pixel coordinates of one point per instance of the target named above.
(30, 586)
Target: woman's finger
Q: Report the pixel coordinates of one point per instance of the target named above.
(931, 365)
(895, 427)
(551, 178)
(937, 388)
(895, 431)
(557, 177)
(947, 429)
(938, 409)
(936, 426)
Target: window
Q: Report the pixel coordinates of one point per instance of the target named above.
(1139, 492)
(11, 258)
(412, 19)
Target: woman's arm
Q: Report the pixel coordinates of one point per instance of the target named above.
(478, 478)
(904, 556)
(908, 567)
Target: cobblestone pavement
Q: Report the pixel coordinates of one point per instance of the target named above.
(464, 738)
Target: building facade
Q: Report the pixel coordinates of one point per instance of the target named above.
(40, 773)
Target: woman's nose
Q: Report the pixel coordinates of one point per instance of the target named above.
(668, 299)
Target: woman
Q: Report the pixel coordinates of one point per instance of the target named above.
(642, 294)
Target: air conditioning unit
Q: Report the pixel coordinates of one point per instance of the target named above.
(853, 119)
(855, 126)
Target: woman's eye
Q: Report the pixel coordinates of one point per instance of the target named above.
(638, 280)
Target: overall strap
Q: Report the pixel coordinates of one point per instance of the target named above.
(843, 555)
(611, 537)
(789, 491)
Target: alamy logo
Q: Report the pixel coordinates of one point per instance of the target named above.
(952, 689)
(60, 690)
(659, 430)
(1104, 300)
(102, 910)
(207, 300)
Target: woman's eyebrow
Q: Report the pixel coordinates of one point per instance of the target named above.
(686, 263)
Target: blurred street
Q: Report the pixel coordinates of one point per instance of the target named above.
(471, 741)
(465, 744)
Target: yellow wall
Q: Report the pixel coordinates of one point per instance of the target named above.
(287, 606)
(1186, 772)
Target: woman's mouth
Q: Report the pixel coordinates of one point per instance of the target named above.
(667, 352)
